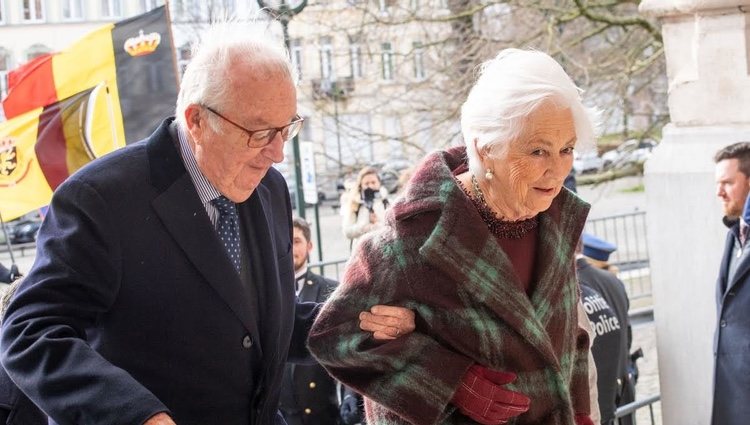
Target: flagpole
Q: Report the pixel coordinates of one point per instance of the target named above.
(171, 43)
(111, 110)
(7, 241)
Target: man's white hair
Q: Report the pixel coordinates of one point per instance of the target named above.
(206, 80)
(511, 86)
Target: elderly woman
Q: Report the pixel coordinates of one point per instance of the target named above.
(481, 247)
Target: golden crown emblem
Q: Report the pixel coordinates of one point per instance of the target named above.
(143, 44)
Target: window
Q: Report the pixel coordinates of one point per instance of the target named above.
(229, 7)
(385, 5)
(33, 11)
(4, 67)
(72, 10)
(355, 60)
(418, 50)
(2, 12)
(297, 56)
(183, 57)
(111, 9)
(147, 5)
(387, 61)
(326, 58)
(183, 9)
(37, 50)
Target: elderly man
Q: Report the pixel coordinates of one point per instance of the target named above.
(163, 287)
(731, 354)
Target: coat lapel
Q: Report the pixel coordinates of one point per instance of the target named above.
(487, 274)
(258, 208)
(560, 228)
(309, 292)
(742, 268)
(184, 217)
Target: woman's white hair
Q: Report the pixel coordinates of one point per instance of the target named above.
(511, 86)
(206, 80)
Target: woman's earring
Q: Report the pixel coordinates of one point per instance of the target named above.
(488, 175)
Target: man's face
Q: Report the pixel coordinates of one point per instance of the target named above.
(301, 249)
(732, 186)
(259, 99)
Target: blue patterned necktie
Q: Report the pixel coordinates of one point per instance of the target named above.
(228, 228)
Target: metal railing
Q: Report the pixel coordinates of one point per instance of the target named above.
(323, 268)
(628, 232)
(631, 408)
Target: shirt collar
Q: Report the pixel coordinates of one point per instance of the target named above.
(300, 273)
(206, 191)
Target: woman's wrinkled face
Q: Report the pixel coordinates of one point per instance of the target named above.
(529, 171)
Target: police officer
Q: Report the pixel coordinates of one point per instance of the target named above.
(308, 393)
(606, 303)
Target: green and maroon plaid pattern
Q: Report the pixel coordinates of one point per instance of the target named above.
(435, 256)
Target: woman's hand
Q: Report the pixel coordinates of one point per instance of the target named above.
(483, 397)
(387, 322)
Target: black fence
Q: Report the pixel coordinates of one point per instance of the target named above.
(628, 232)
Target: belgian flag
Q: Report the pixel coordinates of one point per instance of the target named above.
(41, 148)
(133, 58)
(112, 87)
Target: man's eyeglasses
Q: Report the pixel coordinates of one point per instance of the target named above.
(263, 137)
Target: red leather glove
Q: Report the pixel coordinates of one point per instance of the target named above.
(481, 396)
(583, 420)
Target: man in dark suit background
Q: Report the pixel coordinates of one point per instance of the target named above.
(162, 290)
(308, 393)
(731, 354)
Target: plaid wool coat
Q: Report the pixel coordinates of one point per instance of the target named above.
(437, 257)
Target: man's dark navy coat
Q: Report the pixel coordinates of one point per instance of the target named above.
(732, 338)
(132, 306)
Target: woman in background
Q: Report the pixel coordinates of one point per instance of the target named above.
(363, 206)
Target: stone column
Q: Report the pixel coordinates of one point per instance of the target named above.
(707, 48)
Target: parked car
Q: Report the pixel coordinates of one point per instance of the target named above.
(25, 228)
(587, 162)
(25, 231)
(631, 151)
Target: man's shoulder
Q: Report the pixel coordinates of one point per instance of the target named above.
(322, 280)
(127, 162)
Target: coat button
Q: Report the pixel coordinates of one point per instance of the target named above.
(312, 385)
(247, 342)
(308, 411)
(723, 323)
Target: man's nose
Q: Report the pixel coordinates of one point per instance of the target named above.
(275, 150)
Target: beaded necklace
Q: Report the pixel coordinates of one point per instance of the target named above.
(497, 226)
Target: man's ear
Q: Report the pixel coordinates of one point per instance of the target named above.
(194, 121)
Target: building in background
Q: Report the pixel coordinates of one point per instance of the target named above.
(382, 81)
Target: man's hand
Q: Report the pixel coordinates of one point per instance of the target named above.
(387, 322)
(483, 397)
(160, 419)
